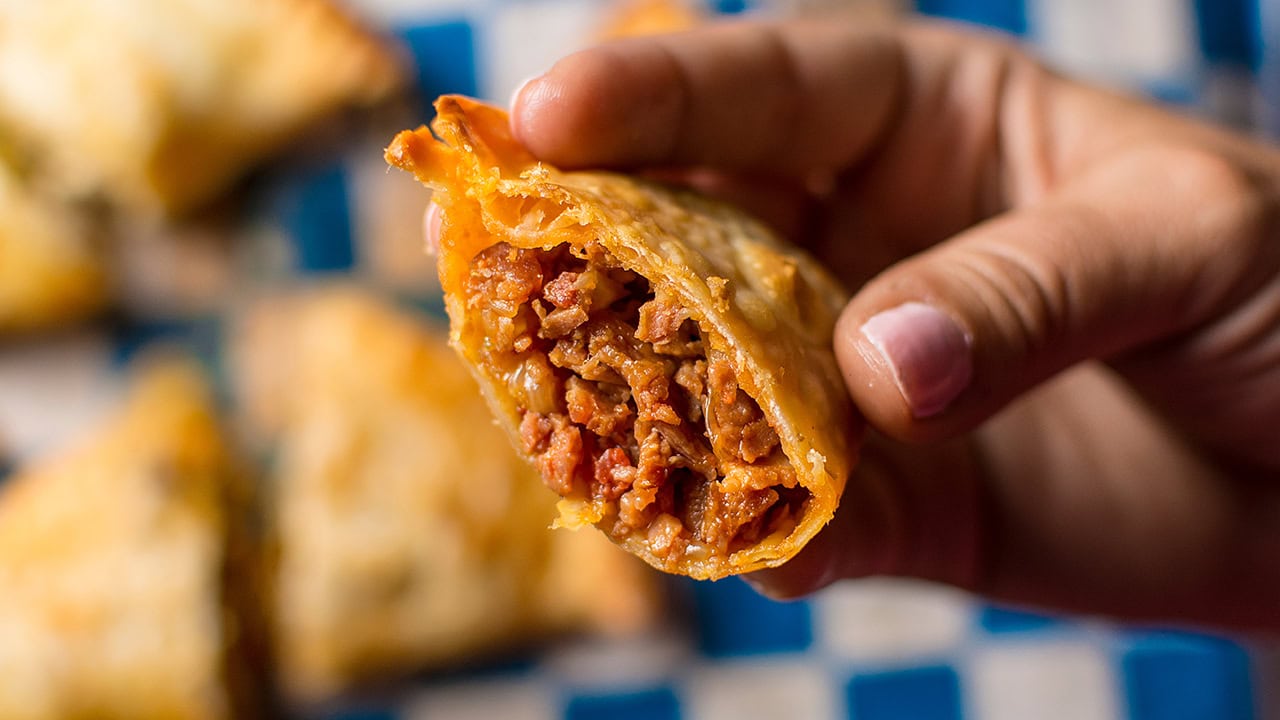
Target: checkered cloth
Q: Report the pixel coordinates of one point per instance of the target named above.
(870, 650)
(873, 650)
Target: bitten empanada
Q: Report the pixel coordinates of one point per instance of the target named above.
(662, 358)
(410, 533)
(125, 577)
(159, 104)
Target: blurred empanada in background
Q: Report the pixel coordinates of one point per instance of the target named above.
(410, 534)
(127, 583)
(157, 105)
(637, 18)
(51, 267)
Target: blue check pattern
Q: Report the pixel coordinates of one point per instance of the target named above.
(740, 656)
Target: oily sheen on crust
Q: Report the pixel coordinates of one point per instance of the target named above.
(661, 357)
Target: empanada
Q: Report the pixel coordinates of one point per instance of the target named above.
(125, 578)
(159, 104)
(662, 358)
(410, 533)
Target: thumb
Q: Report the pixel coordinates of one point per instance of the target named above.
(1147, 245)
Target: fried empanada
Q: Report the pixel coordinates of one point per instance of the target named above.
(159, 104)
(125, 573)
(662, 358)
(410, 534)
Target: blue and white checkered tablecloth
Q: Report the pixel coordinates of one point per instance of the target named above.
(869, 650)
(874, 650)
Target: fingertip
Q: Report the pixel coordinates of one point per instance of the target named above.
(534, 116)
(596, 107)
(562, 116)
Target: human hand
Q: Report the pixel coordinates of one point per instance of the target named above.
(1004, 225)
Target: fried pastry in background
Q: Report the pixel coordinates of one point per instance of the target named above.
(663, 358)
(410, 533)
(51, 269)
(127, 583)
(158, 105)
(635, 18)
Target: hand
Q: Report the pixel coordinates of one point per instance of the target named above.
(1067, 327)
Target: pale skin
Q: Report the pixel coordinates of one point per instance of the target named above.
(1081, 410)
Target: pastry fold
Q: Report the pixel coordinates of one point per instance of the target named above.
(662, 358)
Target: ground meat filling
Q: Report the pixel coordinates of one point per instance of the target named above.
(617, 392)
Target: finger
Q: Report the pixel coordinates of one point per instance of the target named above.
(1150, 245)
(1094, 504)
(780, 98)
(903, 118)
(1076, 499)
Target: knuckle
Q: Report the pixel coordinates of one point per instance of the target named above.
(1207, 170)
(1225, 210)
(1234, 205)
(1219, 184)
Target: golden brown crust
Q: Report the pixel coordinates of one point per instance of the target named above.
(768, 307)
(113, 559)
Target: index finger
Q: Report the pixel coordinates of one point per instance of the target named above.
(789, 98)
(921, 116)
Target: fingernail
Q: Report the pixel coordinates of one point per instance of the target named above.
(928, 353)
(431, 228)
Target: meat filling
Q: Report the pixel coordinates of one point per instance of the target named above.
(623, 404)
